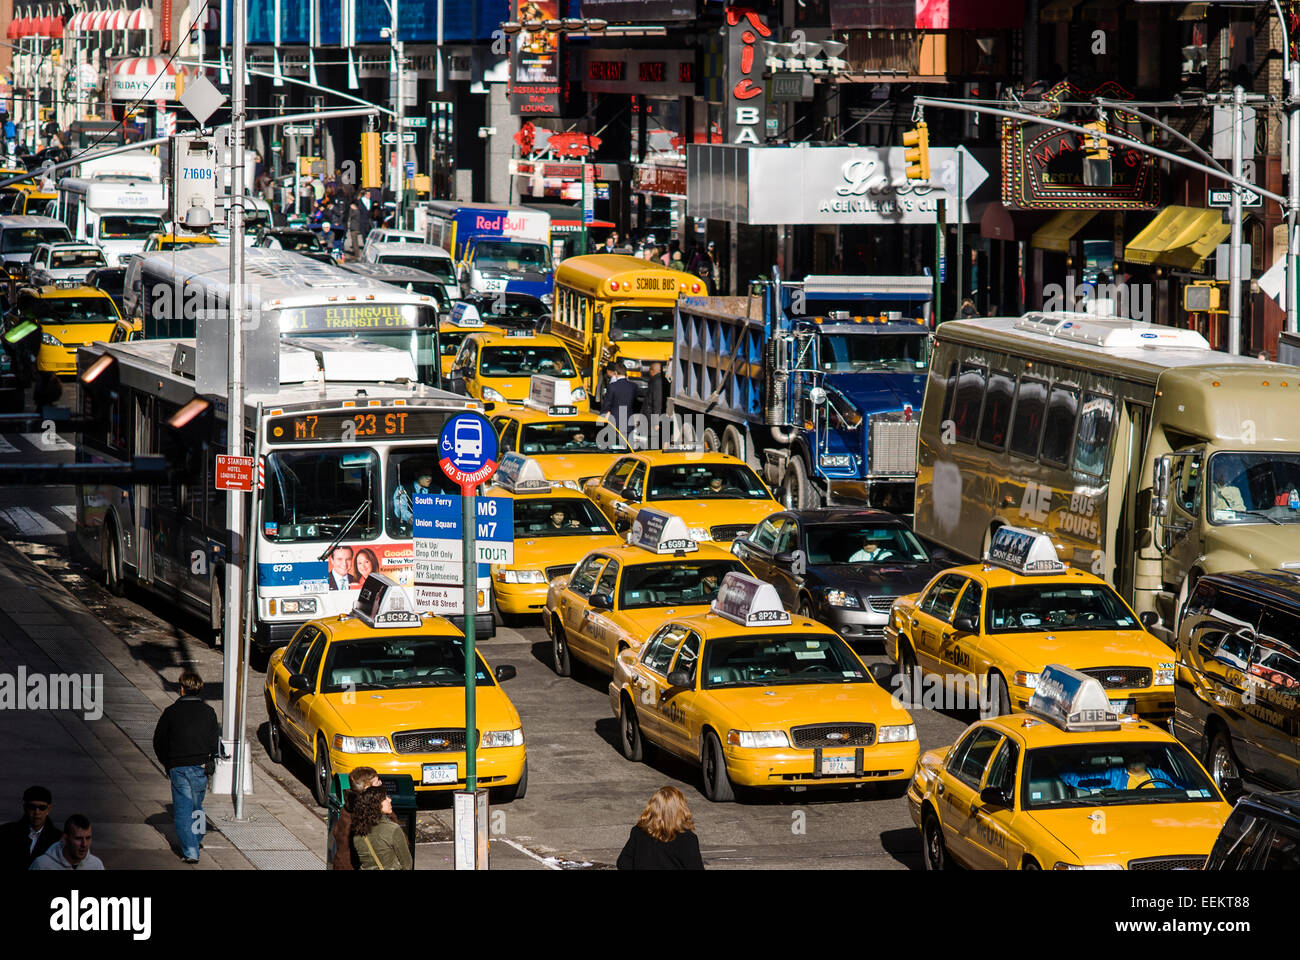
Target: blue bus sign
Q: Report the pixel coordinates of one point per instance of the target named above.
(467, 451)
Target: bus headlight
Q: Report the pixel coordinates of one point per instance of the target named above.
(503, 738)
(896, 734)
(361, 744)
(1164, 676)
(305, 605)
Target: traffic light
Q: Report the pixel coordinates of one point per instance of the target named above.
(1201, 298)
(1096, 159)
(917, 156)
(372, 172)
(1098, 148)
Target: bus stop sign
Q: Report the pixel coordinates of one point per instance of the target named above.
(467, 451)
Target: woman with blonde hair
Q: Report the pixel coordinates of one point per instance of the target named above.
(664, 836)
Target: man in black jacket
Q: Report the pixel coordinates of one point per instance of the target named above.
(185, 741)
(620, 397)
(24, 840)
(656, 391)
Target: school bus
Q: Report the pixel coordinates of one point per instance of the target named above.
(1101, 432)
(609, 306)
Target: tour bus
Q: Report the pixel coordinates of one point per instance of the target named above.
(118, 215)
(609, 306)
(1148, 457)
(300, 295)
(348, 431)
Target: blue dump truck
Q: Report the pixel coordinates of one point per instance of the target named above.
(496, 249)
(817, 384)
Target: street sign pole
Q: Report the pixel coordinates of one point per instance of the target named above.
(1234, 253)
(960, 295)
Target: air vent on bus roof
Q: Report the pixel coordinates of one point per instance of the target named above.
(1117, 332)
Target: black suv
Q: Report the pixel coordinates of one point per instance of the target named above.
(1263, 833)
(1237, 688)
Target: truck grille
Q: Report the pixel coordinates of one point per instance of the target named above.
(833, 735)
(560, 570)
(881, 604)
(730, 531)
(418, 741)
(1188, 862)
(1121, 678)
(892, 448)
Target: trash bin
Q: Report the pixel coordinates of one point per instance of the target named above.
(401, 790)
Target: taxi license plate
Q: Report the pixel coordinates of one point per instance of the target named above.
(439, 773)
(1128, 705)
(837, 764)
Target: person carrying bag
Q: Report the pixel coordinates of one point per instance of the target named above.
(379, 842)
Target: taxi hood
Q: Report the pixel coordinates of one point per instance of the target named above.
(383, 712)
(1086, 649)
(783, 707)
(708, 513)
(1122, 832)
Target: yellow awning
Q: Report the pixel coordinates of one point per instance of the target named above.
(1179, 237)
(1055, 234)
(1058, 11)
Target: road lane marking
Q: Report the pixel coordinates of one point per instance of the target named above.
(548, 862)
(29, 523)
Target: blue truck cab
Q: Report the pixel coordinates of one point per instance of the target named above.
(495, 249)
(818, 384)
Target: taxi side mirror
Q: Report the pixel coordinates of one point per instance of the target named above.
(504, 672)
(601, 601)
(298, 681)
(882, 673)
(994, 797)
(965, 624)
(680, 678)
(1148, 618)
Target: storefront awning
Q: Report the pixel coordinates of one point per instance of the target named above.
(140, 19)
(143, 78)
(1178, 237)
(1056, 233)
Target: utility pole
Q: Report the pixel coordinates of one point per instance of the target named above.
(1293, 199)
(1234, 250)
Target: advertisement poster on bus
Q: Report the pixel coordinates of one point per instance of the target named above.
(346, 567)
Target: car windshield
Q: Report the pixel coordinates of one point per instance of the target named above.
(757, 661)
(440, 267)
(27, 239)
(1111, 774)
(863, 543)
(129, 228)
(72, 259)
(513, 255)
(566, 436)
(68, 309)
(1056, 606)
(641, 323)
(512, 306)
(522, 360)
(312, 494)
(558, 517)
(704, 481)
(1255, 488)
(674, 582)
(890, 352)
(396, 663)
(298, 241)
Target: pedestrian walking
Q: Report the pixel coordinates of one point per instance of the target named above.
(344, 853)
(619, 398)
(664, 836)
(73, 850)
(702, 266)
(306, 197)
(356, 215)
(186, 742)
(380, 842)
(967, 310)
(27, 838)
(656, 391)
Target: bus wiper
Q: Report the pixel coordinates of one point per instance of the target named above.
(356, 515)
(1256, 513)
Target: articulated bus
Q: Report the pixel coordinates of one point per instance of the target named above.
(340, 447)
(1148, 457)
(301, 296)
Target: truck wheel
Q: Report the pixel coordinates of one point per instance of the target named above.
(733, 444)
(797, 493)
(710, 440)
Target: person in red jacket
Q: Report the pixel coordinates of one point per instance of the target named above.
(664, 836)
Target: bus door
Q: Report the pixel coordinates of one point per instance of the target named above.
(144, 427)
(1130, 449)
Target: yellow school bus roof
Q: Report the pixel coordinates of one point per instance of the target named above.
(594, 273)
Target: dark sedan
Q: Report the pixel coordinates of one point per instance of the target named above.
(843, 567)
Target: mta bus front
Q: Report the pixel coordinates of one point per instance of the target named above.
(338, 505)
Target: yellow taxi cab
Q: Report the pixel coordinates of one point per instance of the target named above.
(176, 241)
(27, 199)
(384, 687)
(619, 594)
(759, 700)
(718, 496)
(554, 529)
(496, 366)
(452, 329)
(1069, 785)
(570, 447)
(986, 631)
(67, 317)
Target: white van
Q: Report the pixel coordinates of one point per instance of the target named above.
(419, 256)
(118, 215)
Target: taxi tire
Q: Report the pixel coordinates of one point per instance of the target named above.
(994, 692)
(515, 791)
(629, 733)
(713, 769)
(561, 659)
(321, 773)
(910, 671)
(933, 850)
(274, 735)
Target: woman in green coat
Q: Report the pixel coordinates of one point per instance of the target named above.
(379, 842)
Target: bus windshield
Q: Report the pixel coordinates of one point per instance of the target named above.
(890, 352)
(311, 495)
(519, 361)
(641, 323)
(568, 437)
(421, 344)
(68, 309)
(1111, 774)
(26, 240)
(1056, 607)
(134, 227)
(705, 481)
(513, 255)
(560, 517)
(1255, 488)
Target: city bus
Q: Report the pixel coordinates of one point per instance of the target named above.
(609, 306)
(299, 295)
(348, 433)
(1149, 458)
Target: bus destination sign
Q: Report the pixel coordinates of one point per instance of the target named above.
(353, 316)
(345, 426)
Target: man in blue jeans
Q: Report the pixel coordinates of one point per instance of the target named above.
(185, 741)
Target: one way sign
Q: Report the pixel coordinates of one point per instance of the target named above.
(1223, 198)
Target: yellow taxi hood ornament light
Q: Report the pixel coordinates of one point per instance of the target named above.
(660, 532)
(383, 603)
(749, 602)
(1023, 551)
(1072, 701)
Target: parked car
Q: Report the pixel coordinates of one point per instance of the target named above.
(1263, 833)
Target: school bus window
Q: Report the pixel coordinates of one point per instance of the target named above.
(997, 409)
(966, 402)
(1093, 443)
(1062, 411)
(1027, 425)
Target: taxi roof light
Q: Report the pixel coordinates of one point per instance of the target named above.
(518, 473)
(661, 532)
(750, 602)
(1072, 701)
(466, 315)
(381, 603)
(551, 394)
(682, 446)
(1023, 551)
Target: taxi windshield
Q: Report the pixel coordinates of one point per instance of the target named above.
(641, 323)
(756, 661)
(526, 360)
(449, 341)
(68, 309)
(863, 543)
(1255, 488)
(673, 582)
(704, 481)
(516, 306)
(396, 663)
(558, 517)
(1111, 774)
(311, 495)
(570, 437)
(1056, 606)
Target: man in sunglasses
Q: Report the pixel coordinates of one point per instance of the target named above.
(24, 840)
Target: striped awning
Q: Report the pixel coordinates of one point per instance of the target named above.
(138, 78)
(140, 19)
